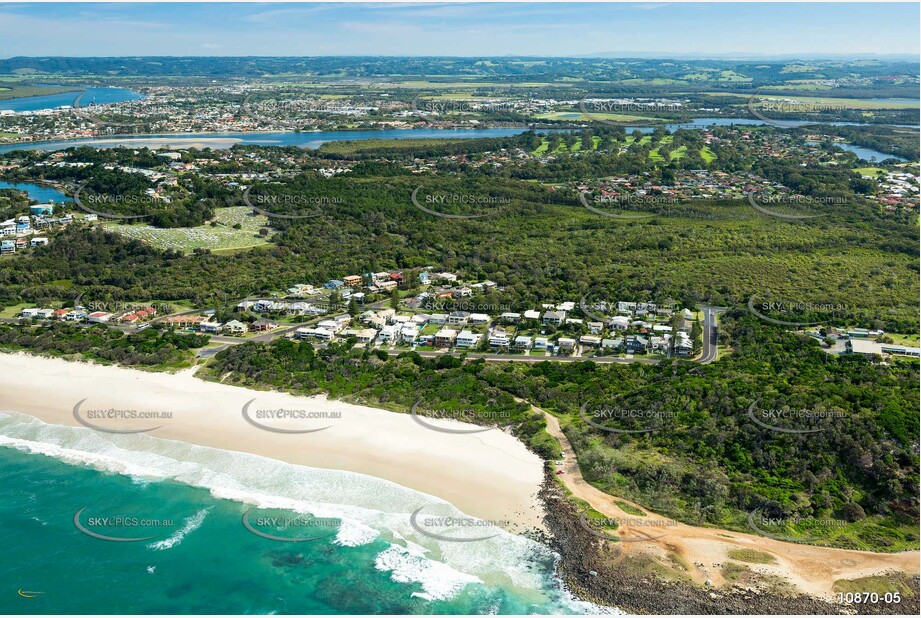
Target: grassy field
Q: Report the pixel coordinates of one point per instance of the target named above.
(869, 171)
(222, 237)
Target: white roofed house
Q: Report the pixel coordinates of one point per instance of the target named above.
(499, 340)
(235, 327)
(409, 333)
(541, 343)
(468, 339)
(554, 317)
(531, 314)
(331, 325)
(595, 328)
(388, 333)
(478, 318)
(522, 342)
(438, 318)
(619, 322)
(510, 317)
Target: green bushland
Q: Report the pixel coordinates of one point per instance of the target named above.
(21, 91)
(147, 349)
(707, 463)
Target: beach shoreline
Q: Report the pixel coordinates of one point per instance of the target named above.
(487, 474)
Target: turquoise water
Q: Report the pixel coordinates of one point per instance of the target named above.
(39, 193)
(99, 96)
(201, 559)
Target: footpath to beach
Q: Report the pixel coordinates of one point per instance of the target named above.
(812, 570)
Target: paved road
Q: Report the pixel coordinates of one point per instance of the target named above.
(709, 334)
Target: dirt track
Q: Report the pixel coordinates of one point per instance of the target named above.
(812, 570)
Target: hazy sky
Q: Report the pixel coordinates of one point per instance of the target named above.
(456, 29)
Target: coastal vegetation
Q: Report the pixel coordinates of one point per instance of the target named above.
(149, 349)
(687, 448)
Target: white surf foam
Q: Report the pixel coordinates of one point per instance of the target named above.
(367, 506)
(439, 581)
(191, 524)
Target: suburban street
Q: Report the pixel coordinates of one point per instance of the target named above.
(709, 334)
(708, 355)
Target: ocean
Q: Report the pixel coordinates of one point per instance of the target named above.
(203, 530)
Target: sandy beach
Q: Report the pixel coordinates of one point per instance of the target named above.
(488, 474)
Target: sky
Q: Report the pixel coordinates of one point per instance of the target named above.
(739, 30)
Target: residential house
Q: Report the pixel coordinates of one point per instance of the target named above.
(554, 317)
(634, 344)
(595, 328)
(262, 326)
(541, 343)
(98, 317)
(522, 342)
(510, 318)
(499, 340)
(458, 318)
(531, 314)
(409, 333)
(478, 318)
(210, 327)
(468, 339)
(313, 333)
(235, 327)
(445, 338)
(683, 344)
(566, 344)
(590, 340)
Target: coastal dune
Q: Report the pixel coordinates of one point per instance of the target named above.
(486, 474)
